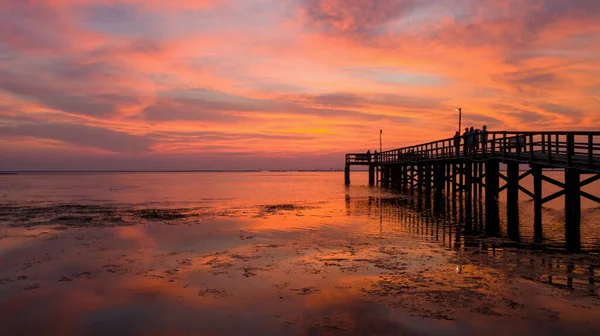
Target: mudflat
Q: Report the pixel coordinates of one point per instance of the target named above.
(126, 257)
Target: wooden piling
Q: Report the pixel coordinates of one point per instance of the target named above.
(440, 179)
(537, 203)
(492, 190)
(420, 174)
(468, 222)
(469, 179)
(512, 200)
(347, 174)
(572, 209)
(461, 181)
(447, 178)
(388, 176)
(428, 179)
(480, 184)
(512, 177)
(412, 177)
(454, 180)
(386, 170)
(492, 181)
(475, 177)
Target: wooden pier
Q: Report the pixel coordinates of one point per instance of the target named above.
(444, 168)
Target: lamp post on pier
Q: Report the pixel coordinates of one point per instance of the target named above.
(459, 110)
(380, 143)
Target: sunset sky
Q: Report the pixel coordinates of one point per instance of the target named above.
(282, 84)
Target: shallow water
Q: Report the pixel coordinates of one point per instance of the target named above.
(281, 253)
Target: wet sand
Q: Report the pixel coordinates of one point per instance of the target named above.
(303, 268)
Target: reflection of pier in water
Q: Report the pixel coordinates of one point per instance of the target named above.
(472, 230)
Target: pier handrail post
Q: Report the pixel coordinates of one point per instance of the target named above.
(531, 147)
(543, 143)
(549, 148)
(570, 148)
(518, 138)
(445, 152)
(590, 150)
(493, 144)
(444, 149)
(504, 144)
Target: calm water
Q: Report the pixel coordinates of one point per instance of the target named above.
(282, 253)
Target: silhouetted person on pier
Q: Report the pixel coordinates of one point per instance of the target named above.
(477, 139)
(376, 159)
(369, 155)
(457, 143)
(484, 139)
(466, 142)
(471, 140)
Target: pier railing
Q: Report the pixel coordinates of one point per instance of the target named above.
(562, 149)
(360, 158)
